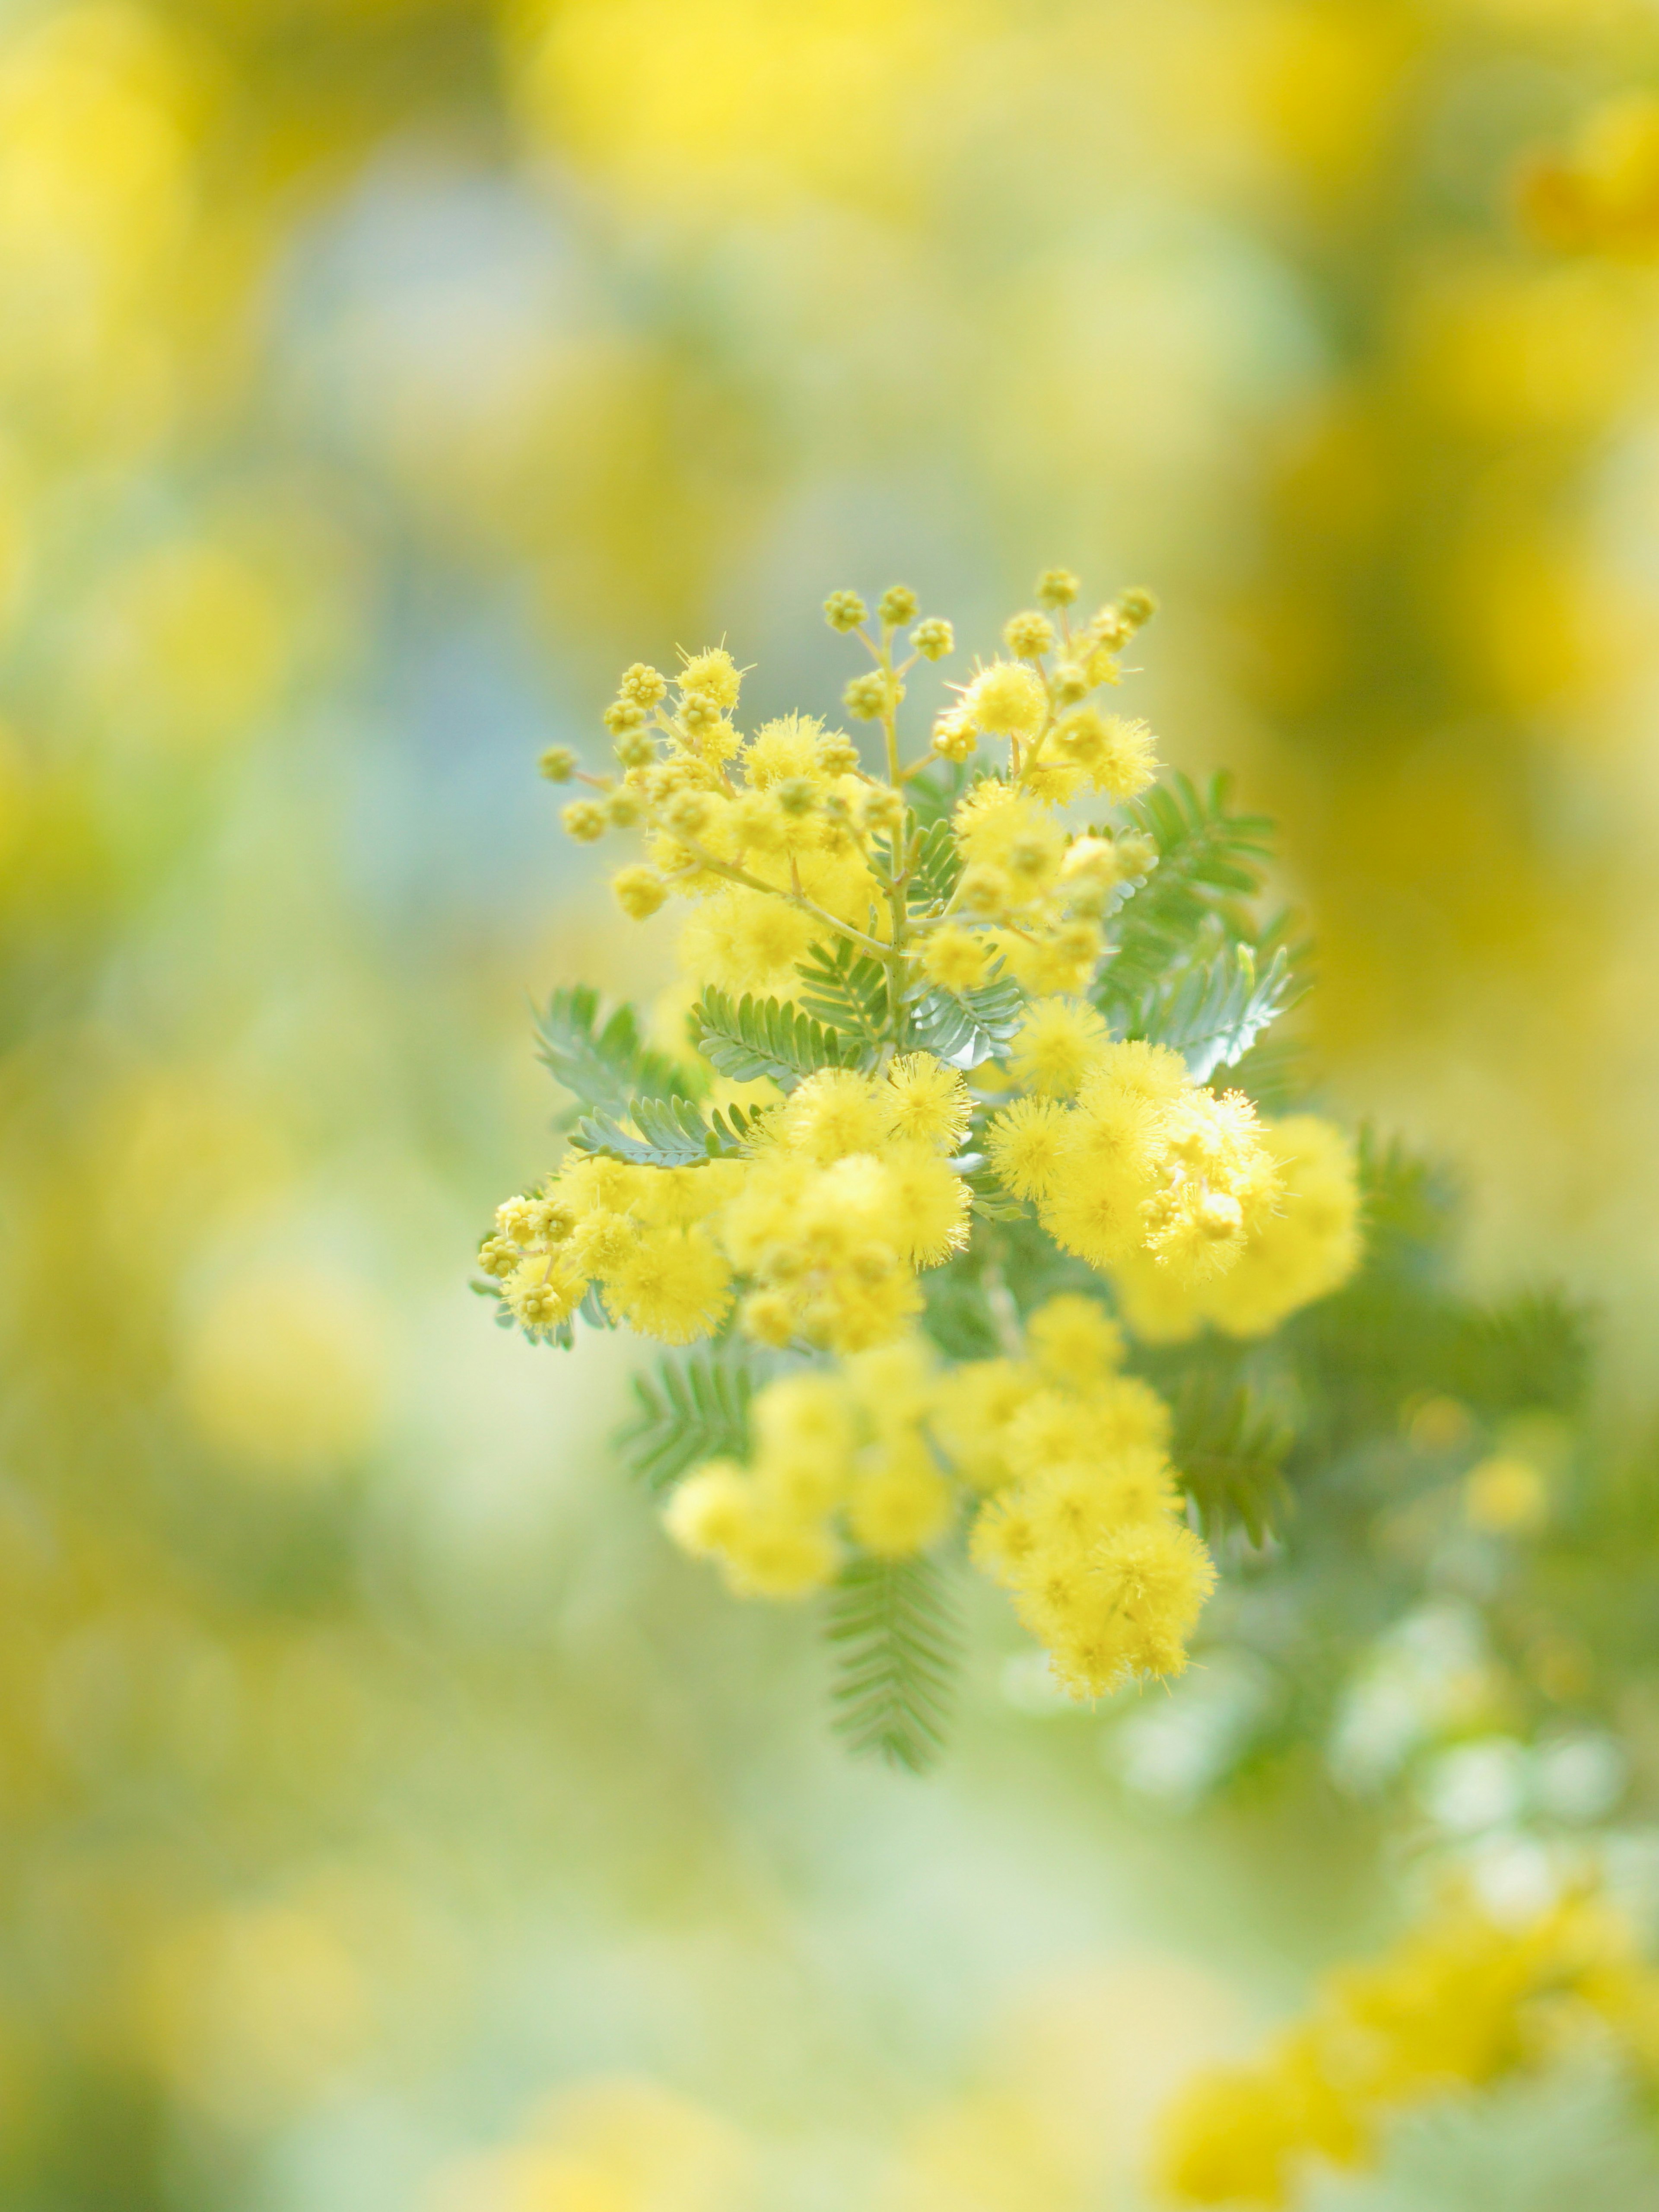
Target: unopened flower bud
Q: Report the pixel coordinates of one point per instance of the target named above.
(583, 820)
(624, 715)
(639, 892)
(635, 749)
(984, 890)
(933, 638)
(797, 795)
(557, 764)
(687, 812)
(1057, 588)
(1028, 637)
(867, 695)
(955, 738)
(897, 606)
(1137, 606)
(844, 611)
(643, 684)
(623, 810)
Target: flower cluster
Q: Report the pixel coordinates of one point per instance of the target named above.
(1061, 1459)
(904, 1048)
(1145, 1162)
(1459, 2003)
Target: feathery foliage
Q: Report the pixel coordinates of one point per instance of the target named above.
(604, 1065)
(671, 1133)
(846, 990)
(1212, 1012)
(893, 1629)
(690, 1409)
(752, 1037)
(1230, 1450)
(1209, 859)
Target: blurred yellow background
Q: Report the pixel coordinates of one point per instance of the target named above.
(388, 1821)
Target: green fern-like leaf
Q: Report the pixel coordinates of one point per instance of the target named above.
(1230, 1450)
(604, 1064)
(1212, 1012)
(689, 1411)
(1208, 860)
(969, 1025)
(935, 868)
(667, 1133)
(846, 990)
(893, 1627)
(756, 1037)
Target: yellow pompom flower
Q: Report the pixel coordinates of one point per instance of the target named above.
(1074, 1341)
(899, 1502)
(746, 941)
(1305, 1249)
(714, 676)
(640, 891)
(1129, 1416)
(708, 1512)
(1140, 1070)
(542, 1293)
(1055, 1046)
(928, 1101)
(1127, 761)
(1154, 1579)
(956, 959)
(929, 1204)
(1006, 700)
(674, 1285)
(1026, 1143)
(972, 1416)
(1003, 829)
(787, 747)
(834, 1114)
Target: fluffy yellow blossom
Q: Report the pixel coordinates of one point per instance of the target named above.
(997, 827)
(792, 745)
(1055, 1045)
(1073, 1339)
(833, 1114)
(542, 1293)
(712, 675)
(674, 1285)
(765, 1548)
(1301, 1248)
(928, 1101)
(1462, 2002)
(900, 1503)
(742, 940)
(640, 891)
(1006, 700)
(974, 1417)
(956, 959)
(1026, 1144)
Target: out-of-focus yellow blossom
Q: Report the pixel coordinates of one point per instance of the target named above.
(603, 2146)
(1461, 2002)
(1304, 1245)
(1084, 1526)
(284, 1372)
(1602, 195)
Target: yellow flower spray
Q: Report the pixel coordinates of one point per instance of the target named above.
(975, 1032)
